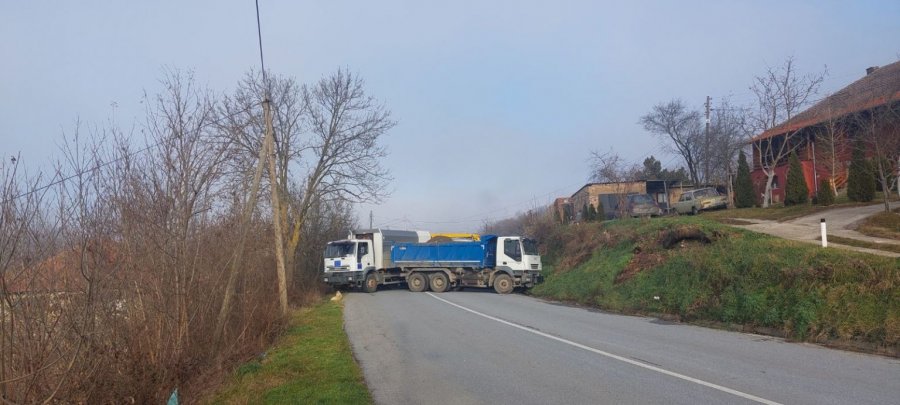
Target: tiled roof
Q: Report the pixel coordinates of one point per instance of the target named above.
(872, 90)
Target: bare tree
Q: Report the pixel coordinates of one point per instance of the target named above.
(781, 93)
(328, 149)
(879, 129)
(673, 120)
(830, 142)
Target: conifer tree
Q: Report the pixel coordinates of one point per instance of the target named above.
(745, 196)
(826, 194)
(861, 179)
(796, 192)
(592, 213)
(585, 215)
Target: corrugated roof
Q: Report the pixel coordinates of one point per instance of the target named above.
(872, 90)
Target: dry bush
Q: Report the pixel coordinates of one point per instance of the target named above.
(112, 281)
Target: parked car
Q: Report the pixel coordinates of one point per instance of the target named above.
(694, 201)
(642, 205)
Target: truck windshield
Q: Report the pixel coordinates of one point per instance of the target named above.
(340, 249)
(529, 246)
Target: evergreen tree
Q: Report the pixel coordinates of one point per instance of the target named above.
(745, 195)
(585, 215)
(826, 194)
(861, 180)
(592, 213)
(600, 214)
(796, 192)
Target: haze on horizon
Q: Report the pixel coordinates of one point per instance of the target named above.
(498, 105)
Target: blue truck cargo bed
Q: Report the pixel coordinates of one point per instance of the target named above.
(451, 254)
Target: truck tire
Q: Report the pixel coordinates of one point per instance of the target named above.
(371, 284)
(693, 210)
(503, 284)
(417, 282)
(439, 282)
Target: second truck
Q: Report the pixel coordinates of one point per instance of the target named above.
(375, 257)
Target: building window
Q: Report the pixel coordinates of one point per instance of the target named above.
(774, 182)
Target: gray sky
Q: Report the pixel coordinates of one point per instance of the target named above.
(499, 102)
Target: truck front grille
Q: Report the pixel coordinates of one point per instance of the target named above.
(534, 266)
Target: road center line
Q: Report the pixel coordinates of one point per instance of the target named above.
(613, 356)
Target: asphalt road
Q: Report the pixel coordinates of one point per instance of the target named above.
(484, 348)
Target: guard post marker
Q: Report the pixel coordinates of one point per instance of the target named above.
(824, 234)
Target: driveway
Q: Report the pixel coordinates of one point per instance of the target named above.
(839, 221)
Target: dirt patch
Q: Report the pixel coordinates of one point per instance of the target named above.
(670, 237)
(653, 252)
(640, 261)
(585, 241)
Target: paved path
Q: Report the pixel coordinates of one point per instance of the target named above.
(840, 222)
(484, 348)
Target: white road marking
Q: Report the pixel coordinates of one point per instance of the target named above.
(616, 357)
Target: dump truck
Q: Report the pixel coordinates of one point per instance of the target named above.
(371, 258)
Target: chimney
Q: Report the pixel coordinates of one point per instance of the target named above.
(870, 70)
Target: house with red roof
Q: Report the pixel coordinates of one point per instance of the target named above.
(823, 135)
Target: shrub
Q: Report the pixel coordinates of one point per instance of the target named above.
(745, 196)
(861, 180)
(796, 192)
(826, 194)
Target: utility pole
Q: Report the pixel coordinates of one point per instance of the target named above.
(276, 209)
(706, 144)
(371, 220)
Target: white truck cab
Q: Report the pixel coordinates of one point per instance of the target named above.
(353, 262)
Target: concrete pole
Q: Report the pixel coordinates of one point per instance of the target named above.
(824, 234)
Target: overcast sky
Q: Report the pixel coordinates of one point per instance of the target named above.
(499, 103)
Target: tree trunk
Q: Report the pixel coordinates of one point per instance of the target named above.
(767, 196)
(276, 211)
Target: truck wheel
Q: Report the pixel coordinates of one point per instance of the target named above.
(439, 282)
(693, 210)
(417, 282)
(371, 284)
(503, 284)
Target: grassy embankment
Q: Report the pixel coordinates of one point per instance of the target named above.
(882, 225)
(782, 213)
(310, 364)
(729, 276)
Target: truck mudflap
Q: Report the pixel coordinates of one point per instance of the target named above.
(343, 278)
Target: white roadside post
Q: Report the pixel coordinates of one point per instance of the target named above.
(824, 234)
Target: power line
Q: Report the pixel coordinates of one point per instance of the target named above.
(262, 61)
(119, 159)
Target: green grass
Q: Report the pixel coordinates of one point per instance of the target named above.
(740, 277)
(863, 244)
(311, 364)
(882, 225)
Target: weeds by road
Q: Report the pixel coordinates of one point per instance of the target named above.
(311, 364)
